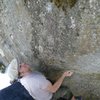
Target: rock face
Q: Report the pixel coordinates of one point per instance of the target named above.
(55, 36)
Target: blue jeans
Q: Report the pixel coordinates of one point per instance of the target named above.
(15, 92)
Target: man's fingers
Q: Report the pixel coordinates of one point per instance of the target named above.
(69, 73)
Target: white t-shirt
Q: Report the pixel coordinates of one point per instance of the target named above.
(36, 85)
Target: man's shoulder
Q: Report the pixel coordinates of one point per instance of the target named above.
(37, 74)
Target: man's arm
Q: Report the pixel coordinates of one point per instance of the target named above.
(53, 88)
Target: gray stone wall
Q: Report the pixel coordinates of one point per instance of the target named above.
(55, 36)
(15, 31)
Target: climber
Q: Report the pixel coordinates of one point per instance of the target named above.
(41, 88)
(33, 86)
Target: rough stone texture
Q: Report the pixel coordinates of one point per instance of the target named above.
(55, 37)
(15, 31)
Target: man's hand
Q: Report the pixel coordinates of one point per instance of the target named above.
(67, 73)
(53, 88)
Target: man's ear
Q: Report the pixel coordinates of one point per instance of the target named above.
(12, 69)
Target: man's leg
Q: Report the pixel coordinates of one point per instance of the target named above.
(64, 93)
(73, 98)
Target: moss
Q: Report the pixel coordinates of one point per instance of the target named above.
(25, 1)
(92, 76)
(2, 67)
(90, 96)
(71, 3)
(97, 76)
(64, 4)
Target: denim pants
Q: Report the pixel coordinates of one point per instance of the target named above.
(15, 92)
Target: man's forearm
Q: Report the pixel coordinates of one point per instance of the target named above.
(53, 88)
(58, 83)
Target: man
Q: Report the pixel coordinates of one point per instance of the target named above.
(32, 86)
(37, 85)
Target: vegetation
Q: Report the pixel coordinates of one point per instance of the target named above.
(64, 4)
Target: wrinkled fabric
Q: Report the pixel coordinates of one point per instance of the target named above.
(15, 92)
(36, 84)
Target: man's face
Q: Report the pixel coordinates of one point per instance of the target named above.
(23, 69)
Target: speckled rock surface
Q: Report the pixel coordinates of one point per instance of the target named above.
(55, 36)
